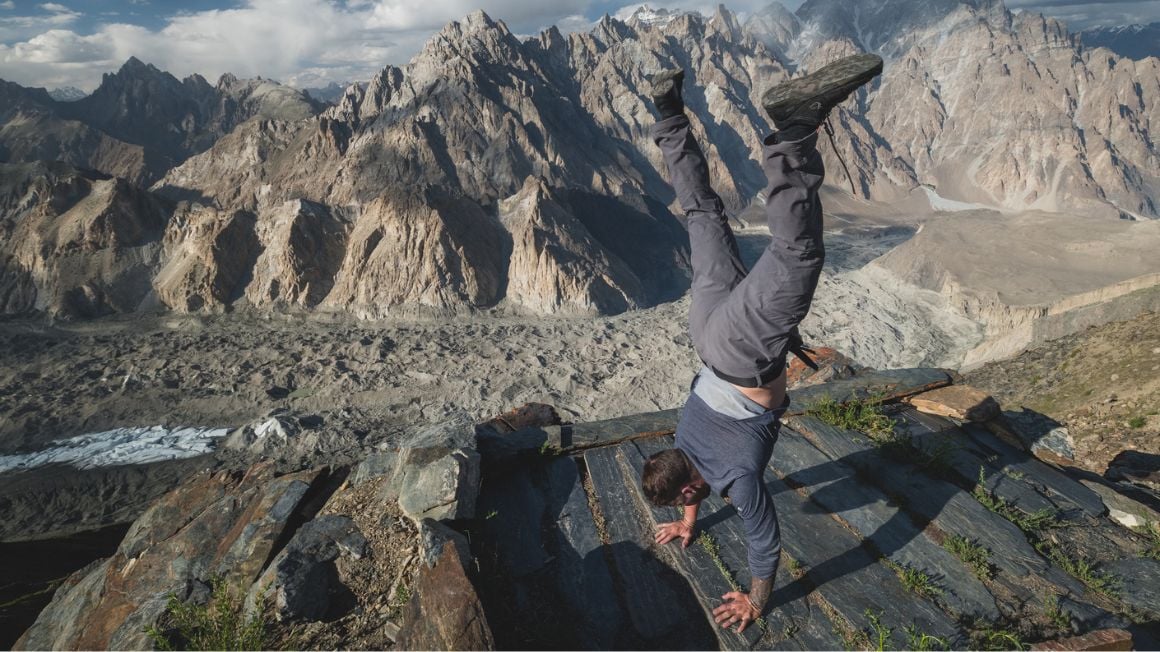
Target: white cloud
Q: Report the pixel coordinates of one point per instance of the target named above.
(9, 4)
(298, 41)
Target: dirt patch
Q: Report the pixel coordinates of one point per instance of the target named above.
(1103, 383)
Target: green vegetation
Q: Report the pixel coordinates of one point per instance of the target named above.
(220, 624)
(1031, 524)
(1081, 569)
(972, 554)
(863, 415)
(1059, 618)
(1137, 422)
(914, 580)
(1152, 532)
(879, 632)
(996, 638)
(922, 642)
(548, 449)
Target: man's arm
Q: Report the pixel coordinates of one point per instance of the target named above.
(755, 506)
(684, 528)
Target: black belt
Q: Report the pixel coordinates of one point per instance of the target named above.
(763, 378)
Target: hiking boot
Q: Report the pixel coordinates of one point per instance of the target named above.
(804, 103)
(666, 92)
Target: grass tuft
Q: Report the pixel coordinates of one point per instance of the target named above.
(1059, 618)
(996, 638)
(863, 415)
(1137, 422)
(923, 642)
(1031, 524)
(220, 624)
(972, 554)
(914, 580)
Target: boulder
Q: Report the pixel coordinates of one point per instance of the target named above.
(530, 415)
(1136, 467)
(1046, 438)
(302, 577)
(444, 612)
(961, 402)
(226, 524)
(1104, 639)
(432, 473)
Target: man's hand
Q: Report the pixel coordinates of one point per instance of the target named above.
(737, 609)
(666, 532)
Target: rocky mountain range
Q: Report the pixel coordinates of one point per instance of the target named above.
(1131, 41)
(495, 170)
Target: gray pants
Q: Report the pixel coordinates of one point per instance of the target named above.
(740, 321)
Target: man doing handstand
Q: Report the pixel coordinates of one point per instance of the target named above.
(743, 323)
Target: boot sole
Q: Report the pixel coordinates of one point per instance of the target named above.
(840, 77)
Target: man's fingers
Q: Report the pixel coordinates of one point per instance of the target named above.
(744, 624)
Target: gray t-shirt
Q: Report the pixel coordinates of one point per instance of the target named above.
(730, 438)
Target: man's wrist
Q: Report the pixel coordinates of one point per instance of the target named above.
(758, 595)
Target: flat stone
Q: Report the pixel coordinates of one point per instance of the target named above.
(543, 555)
(1045, 478)
(1140, 583)
(961, 402)
(445, 612)
(1104, 639)
(836, 487)
(891, 385)
(657, 599)
(1121, 508)
(791, 624)
(846, 575)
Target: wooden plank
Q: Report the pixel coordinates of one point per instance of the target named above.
(1049, 479)
(837, 488)
(848, 576)
(658, 599)
(611, 431)
(790, 624)
(891, 385)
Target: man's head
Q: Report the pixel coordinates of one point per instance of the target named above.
(670, 479)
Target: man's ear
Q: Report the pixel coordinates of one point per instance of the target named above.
(688, 492)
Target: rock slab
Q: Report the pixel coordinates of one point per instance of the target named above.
(445, 612)
(961, 402)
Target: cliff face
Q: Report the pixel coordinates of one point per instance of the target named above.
(524, 169)
(75, 243)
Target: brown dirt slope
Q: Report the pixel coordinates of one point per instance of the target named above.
(1103, 383)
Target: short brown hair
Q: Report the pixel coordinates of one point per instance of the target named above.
(663, 476)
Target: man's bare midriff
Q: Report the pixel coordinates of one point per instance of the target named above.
(769, 396)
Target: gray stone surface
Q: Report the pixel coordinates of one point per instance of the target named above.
(302, 577)
(1139, 583)
(657, 599)
(837, 488)
(1041, 434)
(891, 385)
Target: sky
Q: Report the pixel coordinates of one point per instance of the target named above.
(309, 43)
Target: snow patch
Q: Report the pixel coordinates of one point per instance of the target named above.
(119, 447)
(940, 203)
